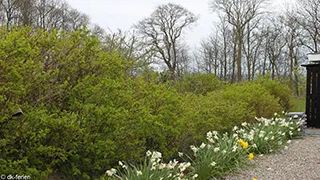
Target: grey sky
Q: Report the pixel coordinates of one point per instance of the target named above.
(122, 14)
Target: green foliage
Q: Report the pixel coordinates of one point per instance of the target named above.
(84, 111)
(221, 154)
(198, 83)
(41, 70)
(299, 104)
(205, 113)
(269, 135)
(258, 99)
(151, 168)
(278, 90)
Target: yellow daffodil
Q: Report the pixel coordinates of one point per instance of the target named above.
(245, 145)
(240, 141)
(250, 156)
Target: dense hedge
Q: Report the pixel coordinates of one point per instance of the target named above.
(83, 112)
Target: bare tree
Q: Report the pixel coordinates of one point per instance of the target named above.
(216, 53)
(293, 33)
(205, 50)
(226, 34)
(26, 9)
(77, 19)
(210, 51)
(162, 32)
(184, 61)
(57, 16)
(275, 44)
(239, 13)
(44, 8)
(252, 46)
(98, 31)
(2, 15)
(309, 19)
(127, 44)
(10, 11)
(46, 14)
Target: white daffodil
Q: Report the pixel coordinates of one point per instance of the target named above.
(195, 176)
(111, 172)
(217, 149)
(211, 140)
(139, 173)
(235, 128)
(213, 163)
(234, 148)
(203, 145)
(148, 153)
(215, 132)
(180, 154)
(244, 124)
(209, 134)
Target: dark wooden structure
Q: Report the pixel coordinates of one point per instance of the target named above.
(313, 94)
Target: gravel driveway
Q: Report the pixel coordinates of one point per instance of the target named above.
(301, 161)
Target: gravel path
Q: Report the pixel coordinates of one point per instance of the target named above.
(301, 161)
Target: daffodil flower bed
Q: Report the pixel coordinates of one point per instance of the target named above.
(219, 155)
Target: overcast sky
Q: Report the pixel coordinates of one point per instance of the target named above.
(122, 14)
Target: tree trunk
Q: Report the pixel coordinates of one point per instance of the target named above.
(225, 57)
(264, 61)
(273, 67)
(234, 63)
(239, 54)
(296, 76)
(248, 53)
(253, 69)
(291, 64)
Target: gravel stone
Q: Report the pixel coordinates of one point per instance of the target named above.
(301, 161)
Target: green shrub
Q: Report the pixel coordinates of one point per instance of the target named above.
(278, 90)
(260, 102)
(83, 111)
(198, 83)
(222, 109)
(41, 71)
(205, 113)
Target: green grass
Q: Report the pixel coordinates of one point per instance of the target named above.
(299, 104)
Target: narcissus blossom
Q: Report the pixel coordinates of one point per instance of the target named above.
(213, 164)
(139, 173)
(111, 172)
(250, 156)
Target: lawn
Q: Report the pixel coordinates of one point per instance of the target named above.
(299, 104)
